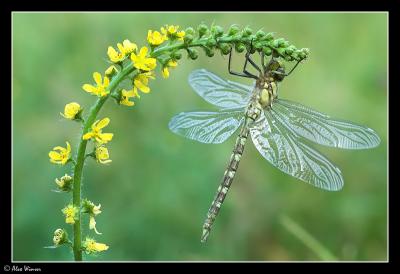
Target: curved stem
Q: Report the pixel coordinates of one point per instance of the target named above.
(80, 159)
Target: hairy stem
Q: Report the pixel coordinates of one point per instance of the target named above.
(80, 159)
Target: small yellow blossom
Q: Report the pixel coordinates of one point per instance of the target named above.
(125, 49)
(64, 183)
(111, 70)
(102, 155)
(128, 47)
(141, 61)
(101, 85)
(170, 64)
(141, 81)
(70, 213)
(172, 31)
(62, 156)
(91, 246)
(114, 55)
(155, 38)
(126, 94)
(71, 111)
(96, 132)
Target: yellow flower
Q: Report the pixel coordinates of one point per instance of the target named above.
(101, 88)
(180, 35)
(170, 64)
(111, 70)
(126, 94)
(102, 155)
(93, 210)
(70, 212)
(96, 132)
(155, 38)
(91, 246)
(62, 156)
(172, 31)
(128, 47)
(71, 110)
(142, 62)
(125, 49)
(141, 81)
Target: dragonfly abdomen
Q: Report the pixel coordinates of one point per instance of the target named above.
(226, 182)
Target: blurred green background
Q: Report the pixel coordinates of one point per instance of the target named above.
(157, 190)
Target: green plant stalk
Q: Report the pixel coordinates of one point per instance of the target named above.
(307, 239)
(80, 159)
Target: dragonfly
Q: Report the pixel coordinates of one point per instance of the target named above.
(279, 128)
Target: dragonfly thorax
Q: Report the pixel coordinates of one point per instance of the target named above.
(267, 92)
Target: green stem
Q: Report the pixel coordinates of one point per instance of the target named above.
(80, 159)
(307, 239)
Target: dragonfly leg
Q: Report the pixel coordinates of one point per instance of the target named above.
(244, 74)
(263, 61)
(298, 62)
(248, 58)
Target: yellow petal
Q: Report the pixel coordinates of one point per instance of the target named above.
(106, 136)
(141, 86)
(87, 136)
(143, 52)
(106, 81)
(89, 88)
(165, 72)
(103, 123)
(55, 156)
(97, 78)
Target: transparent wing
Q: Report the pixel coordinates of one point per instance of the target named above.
(207, 126)
(287, 151)
(322, 129)
(219, 92)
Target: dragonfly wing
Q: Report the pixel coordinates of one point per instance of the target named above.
(287, 151)
(219, 92)
(322, 129)
(210, 127)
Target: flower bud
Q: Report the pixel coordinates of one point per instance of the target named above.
(176, 55)
(188, 38)
(257, 45)
(64, 183)
(288, 58)
(260, 34)
(233, 30)
(289, 50)
(211, 42)
(192, 53)
(267, 51)
(240, 47)
(278, 42)
(225, 49)
(189, 30)
(269, 36)
(218, 31)
(72, 111)
(247, 31)
(202, 30)
(209, 52)
(60, 237)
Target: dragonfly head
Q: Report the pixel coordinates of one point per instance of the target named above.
(276, 69)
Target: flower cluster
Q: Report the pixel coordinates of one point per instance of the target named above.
(138, 66)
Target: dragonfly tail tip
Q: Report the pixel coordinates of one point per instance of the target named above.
(204, 237)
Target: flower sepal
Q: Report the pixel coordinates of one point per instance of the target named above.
(64, 184)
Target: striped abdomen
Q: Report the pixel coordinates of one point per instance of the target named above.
(226, 181)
